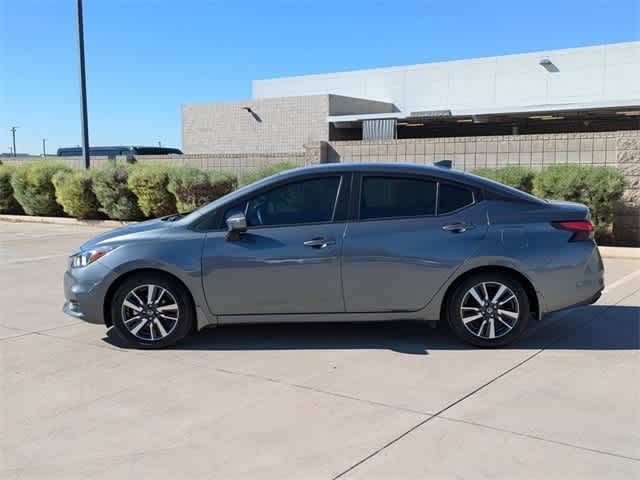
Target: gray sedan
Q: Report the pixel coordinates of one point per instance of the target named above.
(343, 242)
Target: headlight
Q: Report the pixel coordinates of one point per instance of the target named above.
(83, 259)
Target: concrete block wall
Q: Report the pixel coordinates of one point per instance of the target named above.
(276, 125)
(238, 163)
(616, 149)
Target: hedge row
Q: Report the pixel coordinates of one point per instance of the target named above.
(600, 188)
(122, 191)
(118, 191)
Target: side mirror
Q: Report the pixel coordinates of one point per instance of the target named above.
(236, 226)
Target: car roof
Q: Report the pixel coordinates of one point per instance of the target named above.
(407, 168)
(441, 172)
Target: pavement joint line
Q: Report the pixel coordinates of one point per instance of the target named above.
(32, 259)
(79, 322)
(18, 335)
(536, 437)
(406, 433)
(325, 392)
(470, 394)
(237, 373)
(622, 281)
(435, 415)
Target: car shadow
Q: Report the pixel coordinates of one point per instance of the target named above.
(596, 327)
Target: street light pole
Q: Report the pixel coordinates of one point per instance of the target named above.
(13, 133)
(83, 89)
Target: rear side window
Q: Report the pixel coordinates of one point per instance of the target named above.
(388, 197)
(452, 198)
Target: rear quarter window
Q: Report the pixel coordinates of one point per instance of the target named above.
(452, 198)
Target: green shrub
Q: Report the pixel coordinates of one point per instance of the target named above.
(514, 176)
(193, 188)
(222, 183)
(33, 189)
(74, 193)
(8, 203)
(114, 196)
(266, 171)
(149, 183)
(600, 188)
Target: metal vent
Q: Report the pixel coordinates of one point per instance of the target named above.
(381, 129)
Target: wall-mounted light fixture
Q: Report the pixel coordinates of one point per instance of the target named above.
(549, 65)
(253, 114)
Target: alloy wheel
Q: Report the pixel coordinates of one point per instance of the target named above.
(489, 310)
(150, 312)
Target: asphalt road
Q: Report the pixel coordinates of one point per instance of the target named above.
(395, 400)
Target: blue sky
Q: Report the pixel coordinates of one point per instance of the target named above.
(147, 58)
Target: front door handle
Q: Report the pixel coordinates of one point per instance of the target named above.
(319, 242)
(458, 227)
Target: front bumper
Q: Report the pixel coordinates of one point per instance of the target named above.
(85, 290)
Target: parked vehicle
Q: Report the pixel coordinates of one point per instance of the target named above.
(118, 150)
(353, 242)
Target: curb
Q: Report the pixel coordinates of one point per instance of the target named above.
(63, 221)
(632, 253)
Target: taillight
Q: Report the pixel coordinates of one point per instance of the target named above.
(582, 229)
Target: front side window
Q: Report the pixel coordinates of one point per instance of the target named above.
(388, 197)
(452, 198)
(308, 201)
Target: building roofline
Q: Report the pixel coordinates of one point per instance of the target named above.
(454, 61)
(462, 112)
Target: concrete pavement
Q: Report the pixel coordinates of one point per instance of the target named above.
(393, 400)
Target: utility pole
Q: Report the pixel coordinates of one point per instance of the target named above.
(44, 147)
(83, 89)
(13, 133)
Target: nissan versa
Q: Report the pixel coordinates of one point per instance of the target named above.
(343, 242)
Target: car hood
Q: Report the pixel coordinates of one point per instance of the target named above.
(123, 233)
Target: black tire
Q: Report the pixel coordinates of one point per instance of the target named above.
(503, 336)
(175, 332)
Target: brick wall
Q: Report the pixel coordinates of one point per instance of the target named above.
(616, 149)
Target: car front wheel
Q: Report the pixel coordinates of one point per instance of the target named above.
(151, 310)
(489, 310)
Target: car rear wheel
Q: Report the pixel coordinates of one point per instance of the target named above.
(489, 310)
(152, 310)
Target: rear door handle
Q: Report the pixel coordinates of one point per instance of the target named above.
(459, 227)
(319, 242)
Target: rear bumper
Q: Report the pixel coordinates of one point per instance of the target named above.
(578, 280)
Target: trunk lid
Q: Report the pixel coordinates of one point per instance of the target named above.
(562, 210)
